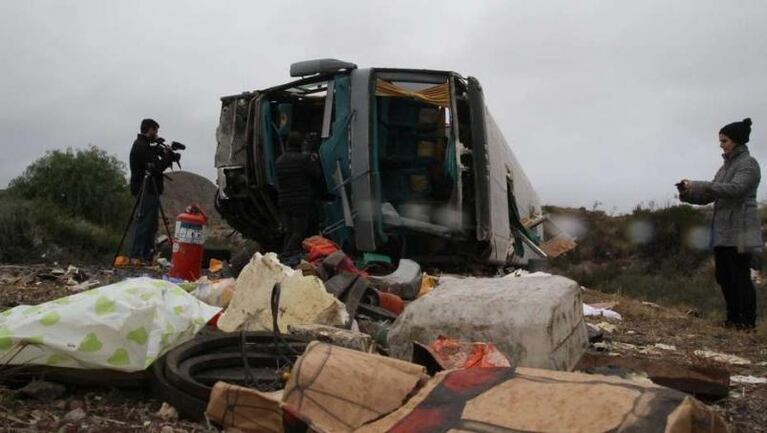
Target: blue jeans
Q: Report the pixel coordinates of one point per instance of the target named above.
(145, 228)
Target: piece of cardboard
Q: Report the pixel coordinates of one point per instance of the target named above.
(532, 400)
(245, 409)
(340, 389)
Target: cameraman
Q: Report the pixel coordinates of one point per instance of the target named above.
(147, 157)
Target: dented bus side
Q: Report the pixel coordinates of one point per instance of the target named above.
(413, 162)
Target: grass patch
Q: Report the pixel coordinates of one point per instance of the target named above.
(655, 255)
(37, 231)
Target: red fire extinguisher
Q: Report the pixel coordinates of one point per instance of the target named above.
(188, 244)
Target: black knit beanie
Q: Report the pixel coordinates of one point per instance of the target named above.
(738, 131)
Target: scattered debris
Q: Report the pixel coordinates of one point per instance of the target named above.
(524, 273)
(605, 305)
(404, 282)
(318, 247)
(215, 266)
(167, 412)
(336, 336)
(595, 334)
(692, 312)
(710, 382)
(390, 302)
(641, 345)
(614, 345)
(376, 313)
(652, 304)
(558, 245)
(451, 354)
(595, 310)
(605, 326)
(75, 415)
(377, 329)
(662, 346)
(533, 321)
(748, 380)
(124, 261)
(42, 390)
(85, 285)
(428, 283)
(254, 411)
(217, 293)
(722, 357)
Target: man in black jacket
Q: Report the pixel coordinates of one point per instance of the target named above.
(146, 158)
(297, 175)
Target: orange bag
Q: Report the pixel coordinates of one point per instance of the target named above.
(452, 353)
(391, 302)
(318, 247)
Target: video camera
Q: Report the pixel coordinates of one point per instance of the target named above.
(171, 149)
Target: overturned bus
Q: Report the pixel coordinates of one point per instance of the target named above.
(413, 162)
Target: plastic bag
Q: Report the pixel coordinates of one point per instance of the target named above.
(123, 326)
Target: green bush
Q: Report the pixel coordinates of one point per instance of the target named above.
(18, 235)
(84, 183)
(67, 206)
(649, 254)
(669, 249)
(29, 234)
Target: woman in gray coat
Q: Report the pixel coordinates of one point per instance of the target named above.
(736, 231)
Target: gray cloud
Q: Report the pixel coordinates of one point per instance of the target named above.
(602, 101)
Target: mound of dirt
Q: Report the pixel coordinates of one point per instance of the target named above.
(185, 188)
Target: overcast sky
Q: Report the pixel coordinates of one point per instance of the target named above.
(601, 100)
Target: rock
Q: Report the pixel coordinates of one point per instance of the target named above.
(336, 336)
(75, 415)
(167, 429)
(167, 412)
(404, 282)
(534, 322)
(43, 391)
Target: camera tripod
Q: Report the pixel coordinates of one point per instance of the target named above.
(136, 213)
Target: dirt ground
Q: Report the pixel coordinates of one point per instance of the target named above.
(642, 327)
(103, 409)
